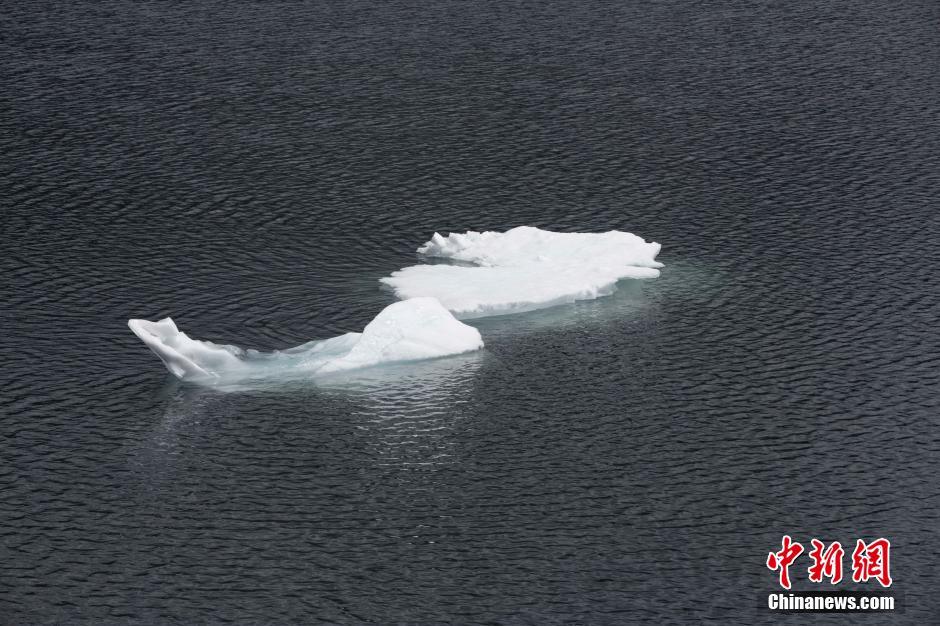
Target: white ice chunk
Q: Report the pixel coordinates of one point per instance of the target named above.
(187, 359)
(414, 329)
(524, 269)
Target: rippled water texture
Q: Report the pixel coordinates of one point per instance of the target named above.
(253, 169)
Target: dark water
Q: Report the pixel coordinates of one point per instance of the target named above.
(253, 168)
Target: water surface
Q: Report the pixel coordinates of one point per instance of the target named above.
(253, 168)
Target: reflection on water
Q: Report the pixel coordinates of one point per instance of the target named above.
(411, 411)
(405, 411)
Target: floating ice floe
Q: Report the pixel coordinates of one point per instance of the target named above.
(520, 270)
(524, 269)
(415, 329)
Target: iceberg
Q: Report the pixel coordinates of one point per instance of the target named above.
(523, 269)
(411, 330)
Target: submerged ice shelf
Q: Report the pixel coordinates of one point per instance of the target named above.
(524, 269)
(415, 329)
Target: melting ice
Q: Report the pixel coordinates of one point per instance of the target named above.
(519, 270)
(415, 329)
(524, 269)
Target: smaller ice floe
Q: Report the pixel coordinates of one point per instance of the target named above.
(524, 269)
(411, 330)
